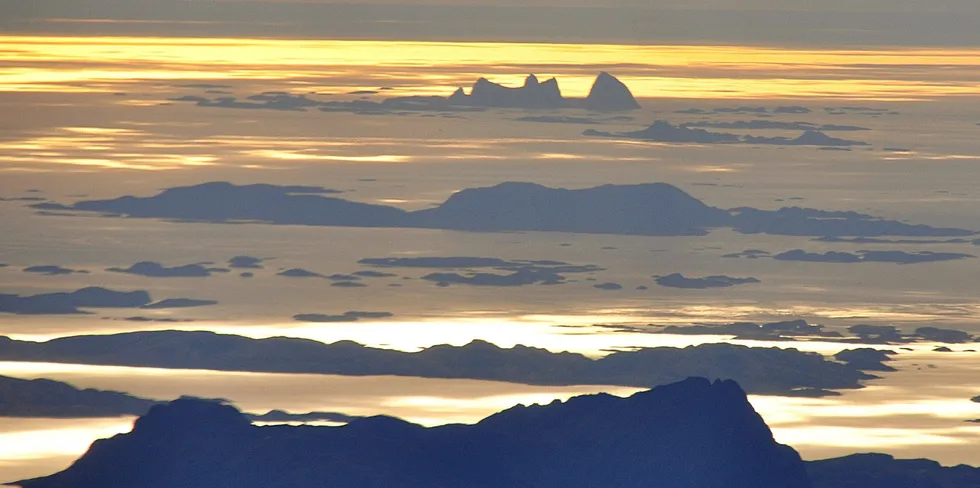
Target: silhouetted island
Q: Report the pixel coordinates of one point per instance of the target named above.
(607, 94)
(54, 399)
(749, 254)
(246, 262)
(44, 398)
(884, 471)
(517, 278)
(866, 359)
(664, 131)
(156, 270)
(533, 94)
(785, 330)
(761, 370)
(608, 286)
(53, 270)
(178, 303)
(140, 318)
(879, 334)
(283, 416)
(350, 316)
(464, 262)
(800, 221)
(874, 240)
(677, 280)
(72, 302)
(559, 119)
(949, 336)
(691, 433)
(225, 202)
(900, 257)
(342, 277)
(640, 209)
(348, 284)
(370, 273)
(861, 334)
(299, 273)
(646, 209)
(773, 124)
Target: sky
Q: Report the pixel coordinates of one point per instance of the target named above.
(792, 22)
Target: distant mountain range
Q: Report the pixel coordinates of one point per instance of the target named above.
(640, 209)
(607, 94)
(693, 433)
(761, 370)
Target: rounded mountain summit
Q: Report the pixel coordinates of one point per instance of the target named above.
(608, 93)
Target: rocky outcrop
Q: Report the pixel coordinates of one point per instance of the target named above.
(533, 94)
(608, 93)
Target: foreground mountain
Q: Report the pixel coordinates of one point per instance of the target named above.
(761, 370)
(638, 209)
(691, 433)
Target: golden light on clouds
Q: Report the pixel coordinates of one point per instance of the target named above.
(62, 63)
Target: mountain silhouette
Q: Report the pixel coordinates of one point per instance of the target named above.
(691, 433)
(637, 209)
(608, 93)
(644, 209)
(534, 94)
(72, 302)
(759, 370)
(55, 399)
(221, 201)
(677, 280)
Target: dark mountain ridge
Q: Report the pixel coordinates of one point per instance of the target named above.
(691, 433)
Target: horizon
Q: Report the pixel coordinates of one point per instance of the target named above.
(783, 196)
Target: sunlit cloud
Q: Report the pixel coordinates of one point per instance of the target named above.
(425, 68)
(59, 437)
(306, 156)
(871, 437)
